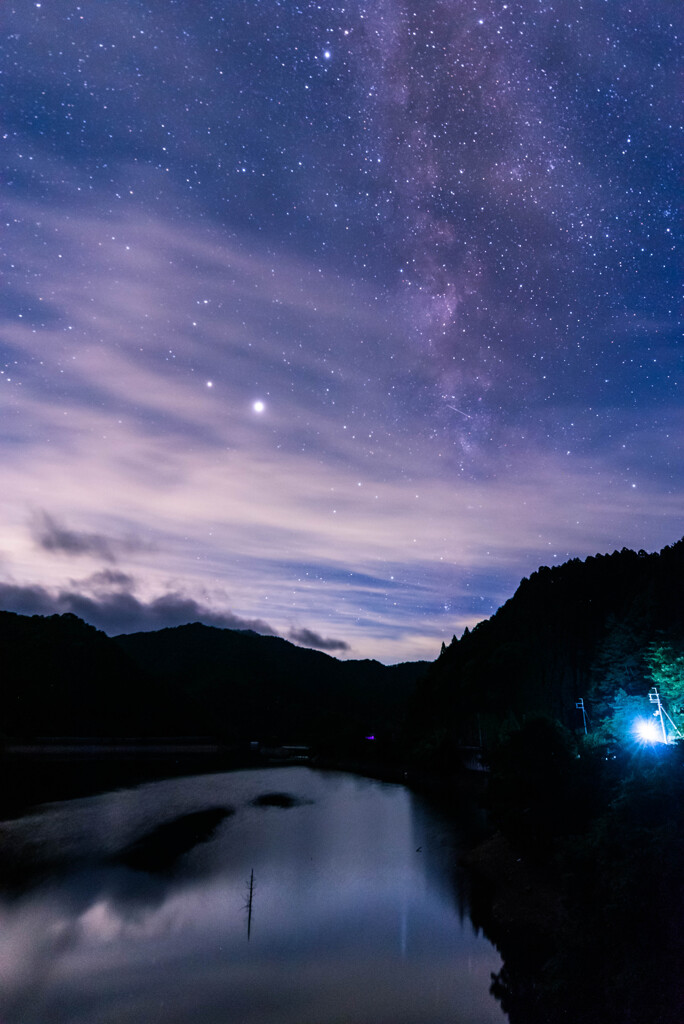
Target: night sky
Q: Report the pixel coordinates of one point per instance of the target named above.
(334, 320)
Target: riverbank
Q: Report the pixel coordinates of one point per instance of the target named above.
(521, 896)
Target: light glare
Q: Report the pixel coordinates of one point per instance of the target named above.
(648, 731)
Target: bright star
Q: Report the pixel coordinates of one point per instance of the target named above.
(258, 406)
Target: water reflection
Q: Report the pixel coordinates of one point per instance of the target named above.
(352, 916)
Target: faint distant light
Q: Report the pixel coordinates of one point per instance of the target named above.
(648, 730)
(258, 406)
(370, 737)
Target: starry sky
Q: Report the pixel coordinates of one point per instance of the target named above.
(334, 320)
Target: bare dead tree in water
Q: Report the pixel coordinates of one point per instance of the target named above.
(248, 904)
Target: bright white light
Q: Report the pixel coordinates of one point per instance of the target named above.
(258, 406)
(648, 731)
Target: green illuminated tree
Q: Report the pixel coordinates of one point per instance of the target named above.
(666, 668)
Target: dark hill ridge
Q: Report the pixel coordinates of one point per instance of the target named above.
(264, 685)
(581, 629)
(577, 630)
(61, 676)
(64, 677)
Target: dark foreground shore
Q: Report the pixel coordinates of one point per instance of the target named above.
(31, 774)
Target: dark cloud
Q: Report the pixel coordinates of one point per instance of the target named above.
(28, 600)
(51, 536)
(120, 611)
(308, 638)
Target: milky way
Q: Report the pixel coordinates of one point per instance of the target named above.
(334, 321)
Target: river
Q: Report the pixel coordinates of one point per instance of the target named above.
(118, 917)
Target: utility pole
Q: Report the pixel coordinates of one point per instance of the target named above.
(580, 707)
(654, 698)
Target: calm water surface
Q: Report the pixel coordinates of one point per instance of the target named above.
(354, 913)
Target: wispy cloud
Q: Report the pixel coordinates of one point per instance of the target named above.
(132, 440)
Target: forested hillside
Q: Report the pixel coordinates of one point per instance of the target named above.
(584, 888)
(603, 631)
